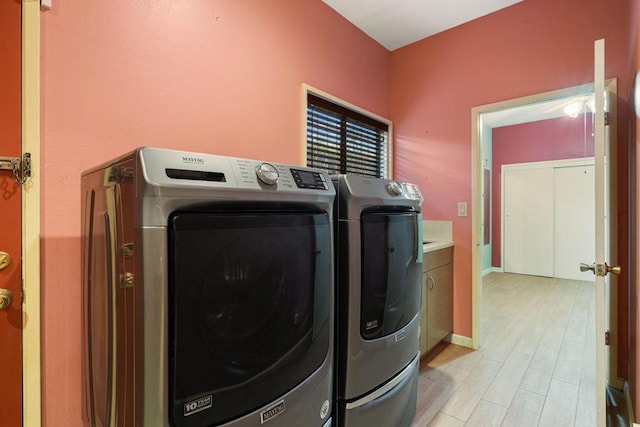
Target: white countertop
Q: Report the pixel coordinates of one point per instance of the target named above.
(436, 244)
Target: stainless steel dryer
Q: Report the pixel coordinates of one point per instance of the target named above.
(207, 292)
(378, 294)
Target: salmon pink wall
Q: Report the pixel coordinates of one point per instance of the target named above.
(544, 140)
(219, 76)
(189, 74)
(531, 47)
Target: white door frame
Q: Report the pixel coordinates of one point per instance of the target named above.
(476, 187)
(30, 116)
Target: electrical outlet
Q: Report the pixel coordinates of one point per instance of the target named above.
(462, 208)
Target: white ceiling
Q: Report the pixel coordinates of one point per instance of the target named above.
(397, 23)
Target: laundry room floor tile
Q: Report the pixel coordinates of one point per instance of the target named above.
(535, 366)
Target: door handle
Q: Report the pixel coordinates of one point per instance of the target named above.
(601, 270)
(5, 298)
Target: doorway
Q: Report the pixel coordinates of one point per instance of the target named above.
(517, 111)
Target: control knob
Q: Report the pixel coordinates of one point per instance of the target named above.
(267, 173)
(394, 188)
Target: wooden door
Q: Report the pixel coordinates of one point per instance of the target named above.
(602, 223)
(10, 205)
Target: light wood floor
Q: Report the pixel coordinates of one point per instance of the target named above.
(536, 366)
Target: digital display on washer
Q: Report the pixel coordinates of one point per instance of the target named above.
(307, 179)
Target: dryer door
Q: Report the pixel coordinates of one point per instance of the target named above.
(391, 272)
(249, 309)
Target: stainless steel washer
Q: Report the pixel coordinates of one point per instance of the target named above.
(378, 296)
(207, 292)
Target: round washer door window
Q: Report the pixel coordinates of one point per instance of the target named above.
(249, 311)
(249, 304)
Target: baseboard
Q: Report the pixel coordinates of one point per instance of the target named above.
(492, 270)
(460, 340)
(627, 396)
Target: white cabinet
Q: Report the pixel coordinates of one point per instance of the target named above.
(437, 298)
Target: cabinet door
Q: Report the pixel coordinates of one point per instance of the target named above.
(439, 303)
(423, 316)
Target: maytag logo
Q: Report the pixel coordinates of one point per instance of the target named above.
(400, 335)
(272, 412)
(196, 160)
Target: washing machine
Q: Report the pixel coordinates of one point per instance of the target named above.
(378, 296)
(207, 292)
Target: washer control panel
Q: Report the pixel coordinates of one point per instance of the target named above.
(176, 169)
(309, 179)
(411, 191)
(380, 189)
(267, 173)
(394, 188)
(279, 176)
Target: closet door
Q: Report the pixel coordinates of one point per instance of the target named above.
(574, 234)
(528, 221)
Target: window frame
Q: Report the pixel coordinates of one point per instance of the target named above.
(306, 90)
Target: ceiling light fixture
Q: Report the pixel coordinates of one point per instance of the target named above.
(584, 104)
(573, 109)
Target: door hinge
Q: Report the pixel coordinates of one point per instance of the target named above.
(607, 338)
(127, 250)
(21, 167)
(606, 118)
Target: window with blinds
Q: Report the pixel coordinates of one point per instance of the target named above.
(340, 140)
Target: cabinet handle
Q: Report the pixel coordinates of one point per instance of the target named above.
(432, 284)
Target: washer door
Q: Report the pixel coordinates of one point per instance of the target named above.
(249, 309)
(391, 272)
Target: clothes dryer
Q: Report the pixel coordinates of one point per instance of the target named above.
(378, 295)
(207, 292)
